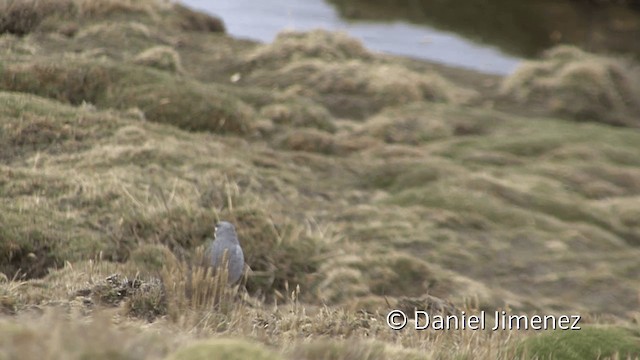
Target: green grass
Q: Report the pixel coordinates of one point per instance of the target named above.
(587, 343)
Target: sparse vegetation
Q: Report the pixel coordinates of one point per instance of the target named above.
(357, 185)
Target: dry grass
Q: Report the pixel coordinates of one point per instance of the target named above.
(125, 35)
(421, 122)
(413, 199)
(318, 44)
(23, 17)
(193, 20)
(161, 97)
(335, 70)
(299, 114)
(342, 86)
(160, 57)
(309, 140)
(580, 85)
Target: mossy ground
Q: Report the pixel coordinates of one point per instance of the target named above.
(361, 194)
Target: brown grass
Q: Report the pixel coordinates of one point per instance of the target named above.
(335, 70)
(232, 349)
(413, 125)
(193, 20)
(77, 80)
(411, 198)
(570, 82)
(299, 114)
(57, 336)
(309, 140)
(160, 57)
(293, 46)
(340, 86)
(23, 17)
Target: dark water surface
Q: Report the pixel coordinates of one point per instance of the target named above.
(524, 28)
(262, 20)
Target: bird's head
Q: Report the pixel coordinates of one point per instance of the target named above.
(225, 229)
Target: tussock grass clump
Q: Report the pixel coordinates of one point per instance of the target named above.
(420, 122)
(412, 124)
(598, 182)
(189, 106)
(351, 276)
(509, 203)
(398, 275)
(343, 86)
(291, 46)
(150, 258)
(39, 133)
(222, 349)
(92, 9)
(338, 72)
(302, 113)
(583, 86)
(341, 283)
(177, 228)
(33, 237)
(309, 140)
(161, 96)
(21, 17)
(402, 174)
(29, 253)
(561, 207)
(193, 20)
(591, 342)
(160, 57)
(68, 81)
(113, 37)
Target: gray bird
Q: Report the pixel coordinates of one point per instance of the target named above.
(226, 239)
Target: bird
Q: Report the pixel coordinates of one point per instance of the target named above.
(226, 242)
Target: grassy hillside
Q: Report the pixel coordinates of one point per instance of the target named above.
(358, 183)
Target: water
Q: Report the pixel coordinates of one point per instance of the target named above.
(262, 20)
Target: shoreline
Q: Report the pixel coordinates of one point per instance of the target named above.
(402, 38)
